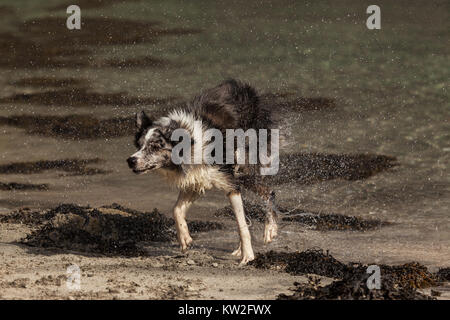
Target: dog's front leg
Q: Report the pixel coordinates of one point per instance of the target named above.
(185, 199)
(245, 247)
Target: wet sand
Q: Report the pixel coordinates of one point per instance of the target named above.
(364, 116)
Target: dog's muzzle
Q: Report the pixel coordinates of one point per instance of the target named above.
(133, 164)
(132, 161)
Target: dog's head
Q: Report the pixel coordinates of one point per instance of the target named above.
(153, 143)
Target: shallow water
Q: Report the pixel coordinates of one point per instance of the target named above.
(389, 94)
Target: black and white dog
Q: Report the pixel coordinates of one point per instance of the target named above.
(230, 105)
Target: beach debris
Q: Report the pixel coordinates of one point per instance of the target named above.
(107, 230)
(397, 282)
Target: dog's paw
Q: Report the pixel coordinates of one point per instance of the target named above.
(270, 232)
(245, 255)
(237, 252)
(185, 240)
(246, 258)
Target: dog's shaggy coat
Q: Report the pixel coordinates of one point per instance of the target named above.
(230, 105)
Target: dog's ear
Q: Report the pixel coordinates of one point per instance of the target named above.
(142, 120)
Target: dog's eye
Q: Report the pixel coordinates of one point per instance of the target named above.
(157, 143)
(161, 134)
(138, 144)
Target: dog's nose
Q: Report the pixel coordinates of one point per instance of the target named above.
(132, 162)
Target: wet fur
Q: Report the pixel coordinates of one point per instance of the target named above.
(230, 105)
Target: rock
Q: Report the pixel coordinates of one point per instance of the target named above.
(157, 264)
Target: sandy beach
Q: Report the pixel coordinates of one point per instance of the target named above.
(365, 166)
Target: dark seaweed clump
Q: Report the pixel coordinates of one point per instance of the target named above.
(72, 166)
(443, 274)
(397, 282)
(11, 186)
(353, 287)
(317, 221)
(194, 226)
(315, 167)
(331, 221)
(81, 97)
(108, 230)
(89, 230)
(73, 126)
(309, 261)
(46, 42)
(27, 216)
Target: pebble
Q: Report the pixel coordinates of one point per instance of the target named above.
(157, 264)
(215, 265)
(190, 262)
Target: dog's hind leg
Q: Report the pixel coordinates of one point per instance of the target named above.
(270, 226)
(245, 250)
(268, 197)
(185, 199)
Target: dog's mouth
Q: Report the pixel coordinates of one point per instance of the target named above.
(142, 171)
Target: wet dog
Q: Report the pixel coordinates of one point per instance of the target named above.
(230, 105)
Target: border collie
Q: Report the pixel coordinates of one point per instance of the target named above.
(230, 105)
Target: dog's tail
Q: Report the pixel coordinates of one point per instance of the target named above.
(235, 104)
(240, 94)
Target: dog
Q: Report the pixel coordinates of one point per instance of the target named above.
(230, 105)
